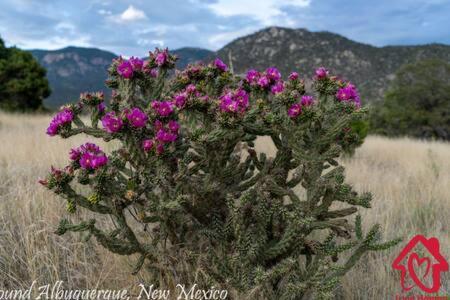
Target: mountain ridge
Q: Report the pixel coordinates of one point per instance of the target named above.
(72, 70)
(371, 68)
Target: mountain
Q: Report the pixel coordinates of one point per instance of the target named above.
(73, 70)
(189, 55)
(370, 68)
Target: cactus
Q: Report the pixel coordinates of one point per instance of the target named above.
(193, 198)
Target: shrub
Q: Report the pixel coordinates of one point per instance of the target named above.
(192, 197)
(417, 103)
(23, 84)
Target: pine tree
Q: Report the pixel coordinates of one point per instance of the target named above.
(196, 201)
(23, 85)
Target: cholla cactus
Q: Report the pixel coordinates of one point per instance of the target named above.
(191, 195)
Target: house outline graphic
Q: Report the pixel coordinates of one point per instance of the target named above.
(432, 246)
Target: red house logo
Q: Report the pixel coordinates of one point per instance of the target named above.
(409, 263)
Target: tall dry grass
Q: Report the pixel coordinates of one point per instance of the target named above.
(410, 181)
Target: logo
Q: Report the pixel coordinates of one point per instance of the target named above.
(423, 270)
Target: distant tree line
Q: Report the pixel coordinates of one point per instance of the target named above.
(417, 103)
(23, 85)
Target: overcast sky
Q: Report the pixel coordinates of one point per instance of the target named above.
(133, 27)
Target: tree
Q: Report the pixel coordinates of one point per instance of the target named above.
(190, 195)
(417, 103)
(23, 84)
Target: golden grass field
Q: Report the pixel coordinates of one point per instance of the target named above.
(410, 181)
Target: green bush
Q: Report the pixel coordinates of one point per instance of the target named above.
(23, 84)
(417, 103)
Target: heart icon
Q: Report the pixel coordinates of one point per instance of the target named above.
(419, 267)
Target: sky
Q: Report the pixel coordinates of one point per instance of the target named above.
(136, 26)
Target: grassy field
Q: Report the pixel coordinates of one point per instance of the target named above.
(410, 181)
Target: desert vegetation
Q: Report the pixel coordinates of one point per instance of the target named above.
(417, 103)
(408, 179)
(189, 193)
(23, 84)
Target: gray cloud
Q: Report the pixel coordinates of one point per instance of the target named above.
(134, 27)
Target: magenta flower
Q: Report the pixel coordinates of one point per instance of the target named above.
(147, 145)
(62, 118)
(159, 149)
(163, 108)
(137, 118)
(252, 76)
(220, 65)
(227, 104)
(321, 73)
(66, 116)
(277, 88)
(349, 94)
(125, 69)
(111, 122)
(173, 126)
(273, 74)
(190, 89)
(154, 104)
(263, 81)
(86, 160)
(307, 100)
(161, 58)
(293, 76)
(295, 110)
(344, 94)
(241, 97)
(89, 147)
(136, 63)
(74, 154)
(98, 161)
(165, 137)
(101, 107)
(92, 161)
(52, 129)
(233, 102)
(153, 72)
(180, 99)
(90, 156)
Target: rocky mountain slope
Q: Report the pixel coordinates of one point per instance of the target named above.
(370, 68)
(189, 55)
(73, 70)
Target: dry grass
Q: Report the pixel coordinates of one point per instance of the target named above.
(409, 179)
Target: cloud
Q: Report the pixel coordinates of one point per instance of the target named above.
(104, 12)
(218, 40)
(160, 43)
(265, 11)
(54, 43)
(162, 29)
(65, 27)
(132, 27)
(131, 14)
